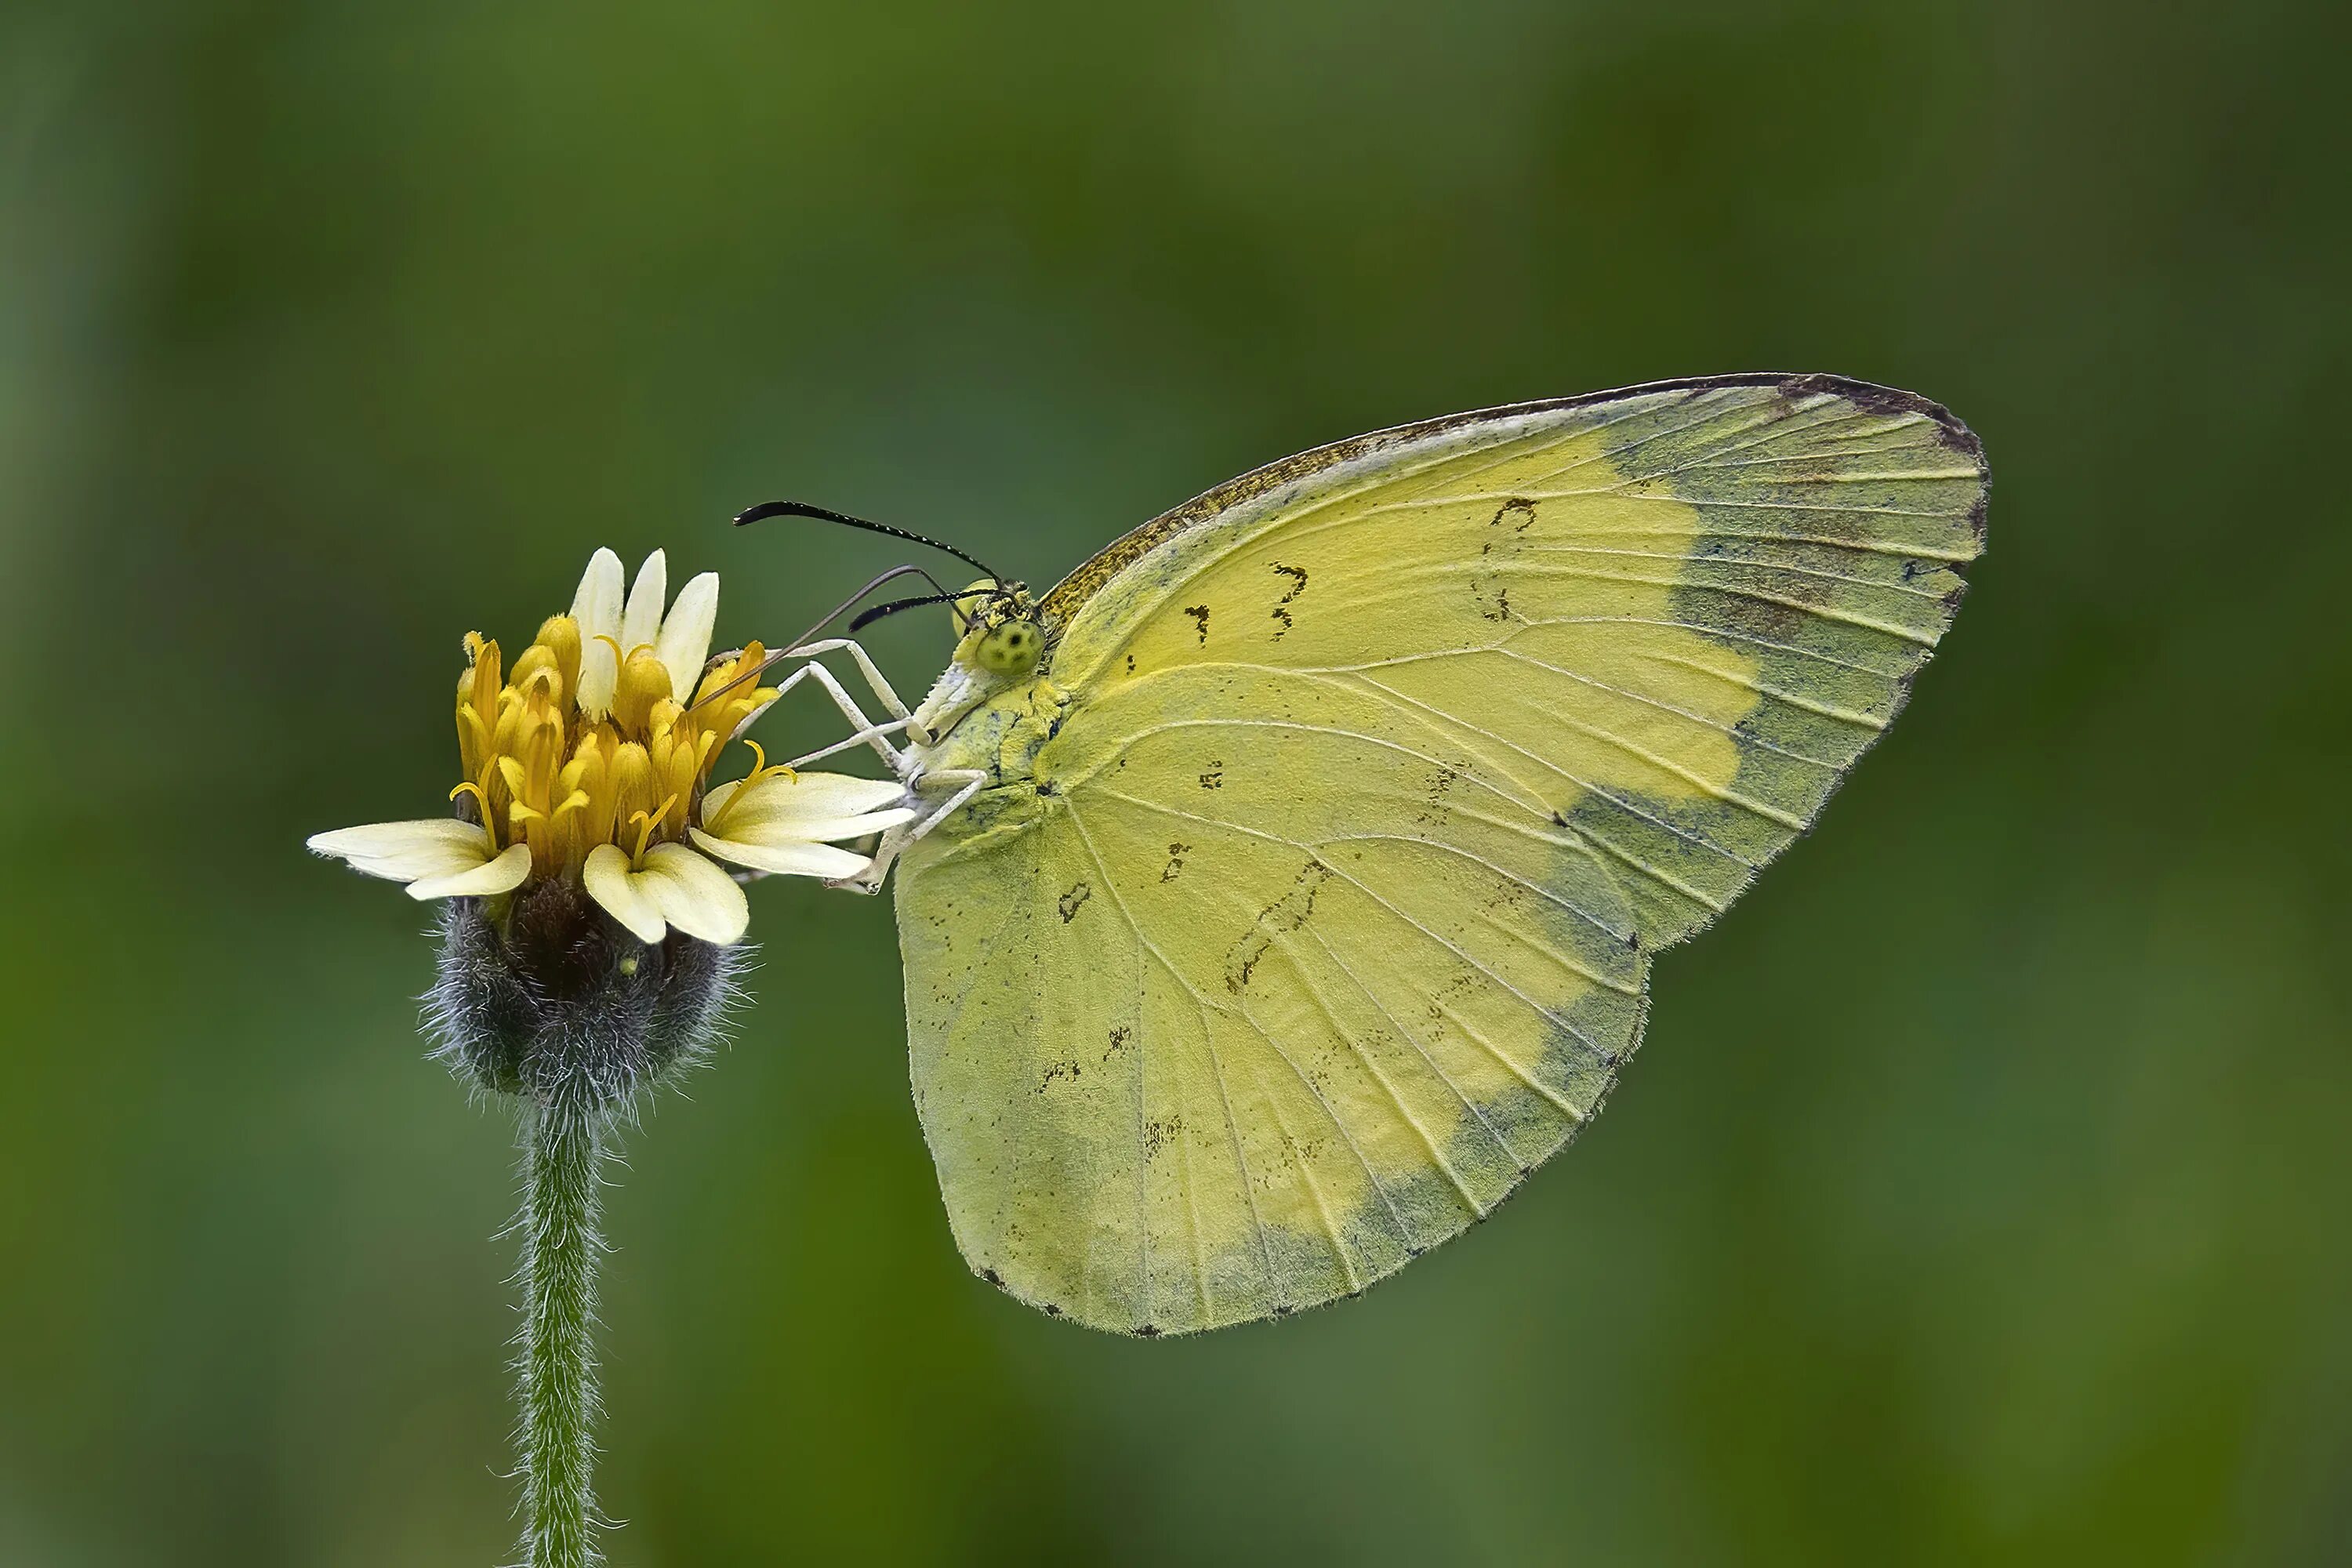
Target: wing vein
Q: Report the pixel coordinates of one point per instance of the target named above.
(1209, 1041)
(1529, 1002)
(1339, 1031)
(1720, 791)
(1567, 961)
(1573, 547)
(1442, 1077)
(1297, 1157)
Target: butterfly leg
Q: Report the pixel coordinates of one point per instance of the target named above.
(883, 691)
(867, 732)
(961, 784)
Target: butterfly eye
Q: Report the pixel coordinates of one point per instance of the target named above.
(966, 605)
(1012, 649)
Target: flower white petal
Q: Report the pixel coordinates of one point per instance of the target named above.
(600, 677)
(406, 851)
(597, 607)
(785, 860)
(380, 839)
(614, 885)
(745, 829)
(810, 797)
(641, 623)
(694, 895)
(503, 875)
(685, 642)
(419, 867)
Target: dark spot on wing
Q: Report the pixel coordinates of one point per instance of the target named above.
(993, 1278)
(1489, 593)
(1057, 1069)
(1200, 613)
(1525, 509)
(1434, 813)
(1147, 1332)
(1282, 605)
(1285, 915)
(1071, 900)
(1176, 853)
(1157, 1134)
(1119, 1034)
(1213, 776)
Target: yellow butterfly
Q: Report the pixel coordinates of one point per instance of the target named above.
(1290, 874)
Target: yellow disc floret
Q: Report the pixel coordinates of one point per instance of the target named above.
(541, 770)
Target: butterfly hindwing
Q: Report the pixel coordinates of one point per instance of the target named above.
(1373, 781)
(1193, 1052)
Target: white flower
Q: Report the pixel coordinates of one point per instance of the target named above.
(779, 822)
(589, 760)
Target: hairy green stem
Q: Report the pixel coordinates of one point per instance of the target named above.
(563, 1144)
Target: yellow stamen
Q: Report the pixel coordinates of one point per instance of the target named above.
(482, 800)
(761, 769)
(632, 780)
(644, 821)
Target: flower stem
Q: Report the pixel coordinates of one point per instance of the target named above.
(563, 1144)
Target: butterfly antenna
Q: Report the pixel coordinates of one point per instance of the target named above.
(825, 620)
(802, 508)
(866, 617)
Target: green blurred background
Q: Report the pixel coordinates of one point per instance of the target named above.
(1980, 1195)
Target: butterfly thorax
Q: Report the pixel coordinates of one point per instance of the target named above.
(1001, 734)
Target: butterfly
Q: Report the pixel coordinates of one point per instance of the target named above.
(1293, 870)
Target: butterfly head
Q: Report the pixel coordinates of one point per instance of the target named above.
(999, 631)
(1000, 640)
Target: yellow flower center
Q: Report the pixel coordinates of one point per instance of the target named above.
(543, 773)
